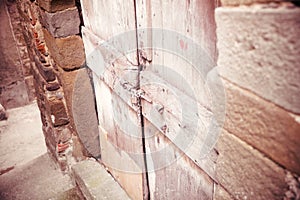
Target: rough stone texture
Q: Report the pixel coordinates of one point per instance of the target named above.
(81, 102)
(14, 95)
(67, 52)
(262, 53)
(247, 174)
(264, 125)
(13, 91)
(56, 5)
(221, 194)
(37, 179)
(62, 23)
(96, 183)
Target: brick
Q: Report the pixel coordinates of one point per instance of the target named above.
(245, 173)
(62, 23)
(67, 52)
(262, 53)
(56, 5)
(46, 71)
(63, 134)
(264, 125)
(57, 112)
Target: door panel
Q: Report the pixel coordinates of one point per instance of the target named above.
(153, 71)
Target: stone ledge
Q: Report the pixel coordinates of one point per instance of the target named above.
(62, 23)
(95, 182)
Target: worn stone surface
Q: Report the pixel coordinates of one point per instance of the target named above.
(262, 53)
(264, 125)
(14, 95)
(21, 138)
(10, 66)
(84, 112)
(67, 52)
(95, 182)
(13, 91)
(55, 5)
(246, 173)
(248, 2)
(62, 23)
(221, 194)
(38, 179)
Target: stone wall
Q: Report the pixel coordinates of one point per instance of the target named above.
(16, 80)
(52, 32)
(259, 64)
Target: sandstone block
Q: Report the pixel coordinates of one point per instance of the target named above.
(62, 23)
(56, 5)
(247, 174)
(259, 50)
(67, 52)
(264, 125)
(84, 112)
(96, 183)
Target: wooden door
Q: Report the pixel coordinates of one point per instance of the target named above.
(153, 70)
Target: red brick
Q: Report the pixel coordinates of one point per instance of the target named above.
(57, 111)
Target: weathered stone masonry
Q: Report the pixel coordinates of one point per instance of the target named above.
(51, 29)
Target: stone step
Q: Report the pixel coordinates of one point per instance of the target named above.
(96, 183)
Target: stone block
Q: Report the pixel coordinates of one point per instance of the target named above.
(81, 104)
(96, 183)
(263, 125)
(62, 23)
(56, 5)
(246, 173)
(67, 52)
(259, 50)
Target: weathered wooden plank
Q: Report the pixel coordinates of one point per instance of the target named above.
(190, 126)
(120, 140)
(111, 66)
(172, 175)
(114, 22)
